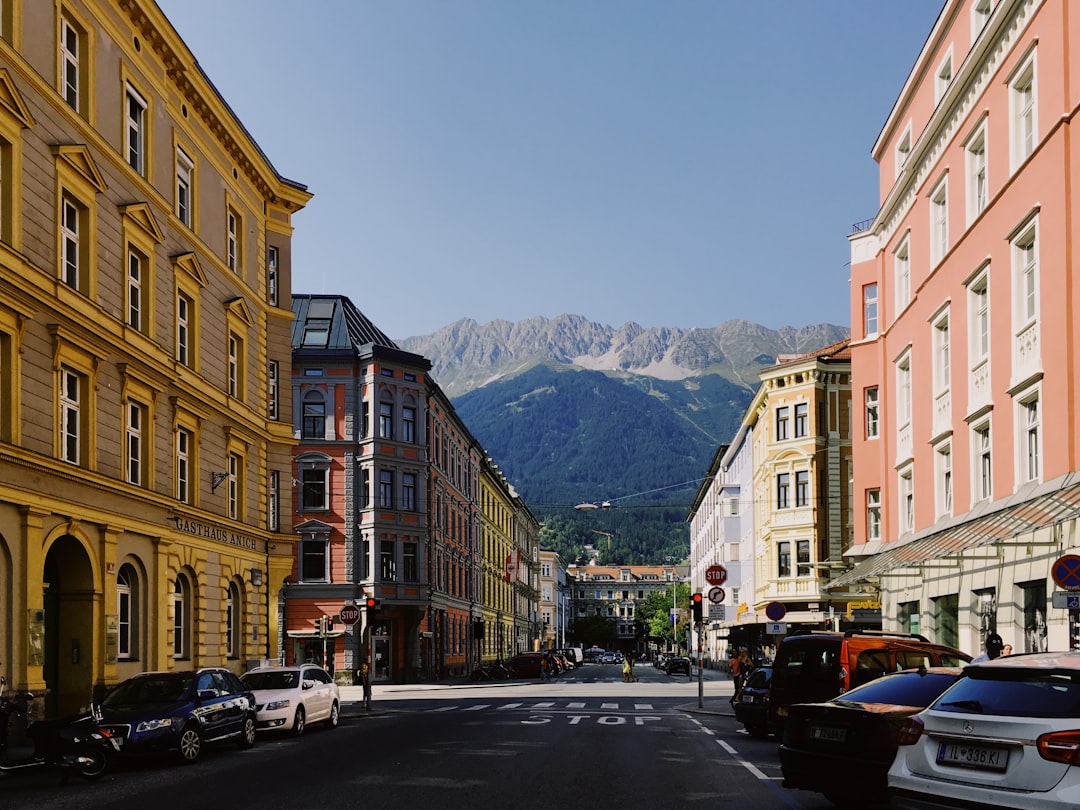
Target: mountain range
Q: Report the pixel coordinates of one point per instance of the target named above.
(574, 411)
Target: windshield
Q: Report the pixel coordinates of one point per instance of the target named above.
(149, 689)
(1015, 693)
(813, 661)
(283, 679)
(904, 689)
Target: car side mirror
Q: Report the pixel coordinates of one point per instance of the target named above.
(308, 685)
(207, 694)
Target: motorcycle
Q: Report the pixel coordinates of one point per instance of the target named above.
(76, 743)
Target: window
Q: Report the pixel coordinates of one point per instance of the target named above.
(870, 310)
(71, 227)
(1025, 264)
(387, 566)
(802, 420)
(232, 621)
(136, 442)
(944, 483)
(783, 415)
(408, 491)
(272, 275)
(72, 44)
(902, 274)
(72, 386)
(314, 424)
(939, 221)
(981, 461)
(136, 263)
(873, 514)
(408, 425)
(1033, 598)
(903, 391)
(907, 501)
(235, 485)
(872, 424)
(135, 126)
(783, 490)
(125, 613)
(1030, 437)
(802, 558)
(409, 562)
(1023, 112)
(314, 558)
(903, 149)
(943, 79)
(185, 312)
(941, 354)
(783, 559)
(273, 488)
(986, 613)
(947, 620)
(185, 191)
(233, 228)
(980, 14)
(181, 605)
(314, 484)
(802, 488)
(979, 307)
(386, 489)
(185, 445)
(272, 389)
(386, 420)
(977, 193)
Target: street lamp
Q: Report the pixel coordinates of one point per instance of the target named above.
(589, 507)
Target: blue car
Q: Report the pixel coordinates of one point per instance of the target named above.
(179, 712)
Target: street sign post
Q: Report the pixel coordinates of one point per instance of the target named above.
(1066, 572)
(1066, 600)
(716, 575)
(717, 613)
(350, 615)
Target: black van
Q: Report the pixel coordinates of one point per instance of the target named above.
(817, 666)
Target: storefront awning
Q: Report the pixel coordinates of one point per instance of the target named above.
(1004, 524)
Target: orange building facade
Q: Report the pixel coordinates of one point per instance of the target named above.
(964, 303)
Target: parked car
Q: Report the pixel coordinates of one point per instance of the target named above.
(817, 666)
(575, 655)
(1007, 734)
(676, 665)
(526, 665)
(178, 712)
(844, 747)
(289, 698)
(752, 702)
(608, 658)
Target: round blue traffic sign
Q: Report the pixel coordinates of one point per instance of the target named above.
(1066, 571)
(775, 611)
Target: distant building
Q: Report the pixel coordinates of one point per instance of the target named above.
(963, 347)
(554, 599)
(145, 445)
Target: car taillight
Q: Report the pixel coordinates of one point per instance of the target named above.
(1060, 746)
(910, 731)
(843, 680)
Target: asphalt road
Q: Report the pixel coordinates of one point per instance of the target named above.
(583, 740)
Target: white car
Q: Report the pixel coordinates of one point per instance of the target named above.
(288, 698)
(1007, 734)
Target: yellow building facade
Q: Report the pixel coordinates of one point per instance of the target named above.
(144, 330)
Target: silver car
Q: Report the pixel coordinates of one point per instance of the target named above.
(288, 698)
(1007, 734)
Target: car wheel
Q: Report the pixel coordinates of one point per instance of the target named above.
(298, 722)
(247, 735)
(335, 715)
(90, 761)
(190, 744)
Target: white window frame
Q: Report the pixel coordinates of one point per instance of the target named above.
(943, 77)
(939, 221)
(873, 514)
(783, 423)
(903, 390)
(230, 620)
(873, 412)
(1029, 435)
(272, 260)
(185, 187)
(943, 479)
(135, 424)
(135, 277)
(977, 165)
(906, 502)
(980, 15)
(184, 306)
(233, 479)
(1023, 110)
(71, 247)
(70, 414)
(273, 520)
(979, 318)
(982, 461)
(125, 617)
(902, 274)
(234, 364)
(1025, 258)
(71, 46)
(871, 314)
(181, 625)
(903, 149)
(135, 128)
(232, 241)
(272, 393)
(801, 420)
(185, 445)
(942, 353)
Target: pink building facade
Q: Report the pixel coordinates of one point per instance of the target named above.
(964, 304)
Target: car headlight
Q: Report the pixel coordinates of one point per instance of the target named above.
(277, 704)
(154, 725)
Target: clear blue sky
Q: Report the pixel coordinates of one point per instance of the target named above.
(672, 163)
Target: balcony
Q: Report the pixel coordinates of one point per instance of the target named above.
(1027, 358)
(979, 386)
(787, 518)
(942, 412)
(792, 589)
(903, 444)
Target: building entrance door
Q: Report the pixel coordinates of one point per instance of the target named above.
(381, 653)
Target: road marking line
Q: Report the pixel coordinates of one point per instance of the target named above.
(575, 705)
(444, 709)
(477, 708)
(511, 706)
(545, 705)
(609, 705)
(750, 766)
(643, 707)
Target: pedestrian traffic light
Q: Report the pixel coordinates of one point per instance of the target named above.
(695, 602)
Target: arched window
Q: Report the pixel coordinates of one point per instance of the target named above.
(232, 621)
(314, 426)
(181, 603)
(127, 613)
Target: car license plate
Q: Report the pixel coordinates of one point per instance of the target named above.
(827, 733)
(973, 756)
(749, 698)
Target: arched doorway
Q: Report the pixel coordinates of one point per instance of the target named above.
(69, 600)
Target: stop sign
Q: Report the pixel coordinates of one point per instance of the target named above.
(716, 575)
(350, 614)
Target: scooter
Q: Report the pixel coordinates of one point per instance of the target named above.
(76, 743)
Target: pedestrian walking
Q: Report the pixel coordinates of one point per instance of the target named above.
(364, 673)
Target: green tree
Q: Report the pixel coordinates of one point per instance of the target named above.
(653, 614)
(594, 630)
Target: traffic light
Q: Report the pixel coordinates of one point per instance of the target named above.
(320, 623)
(371, 604)
(695, 603)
